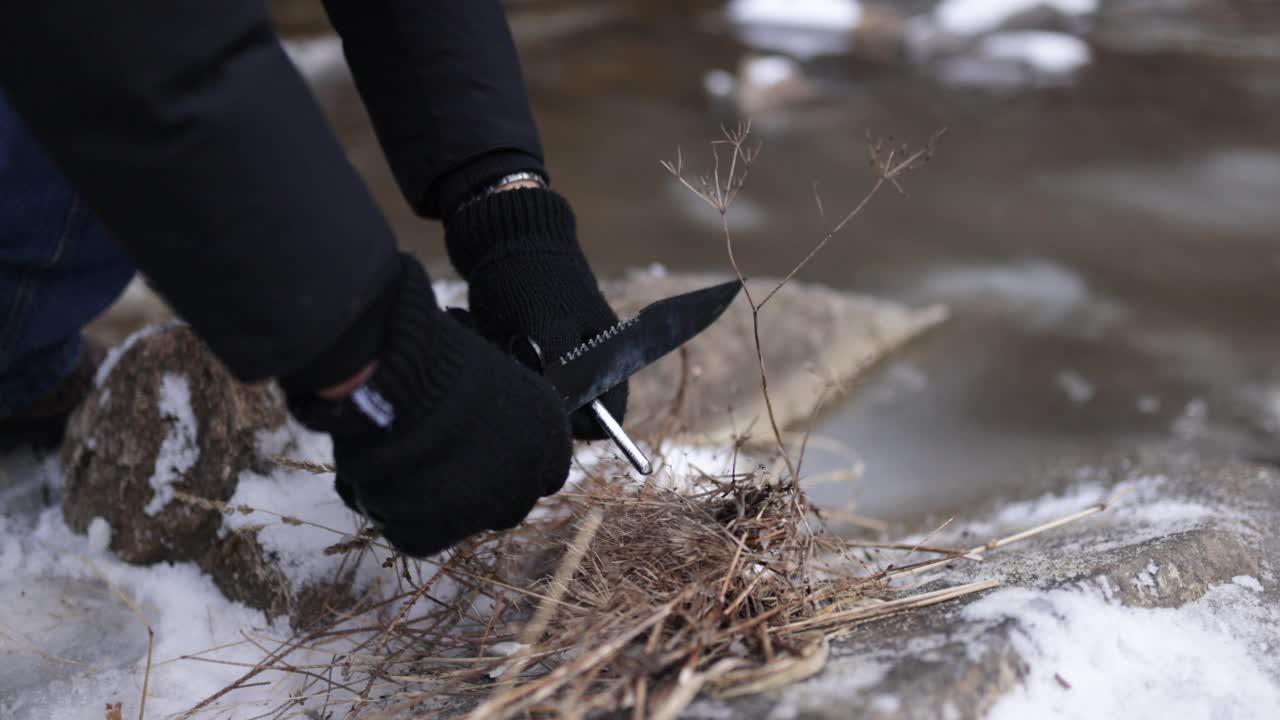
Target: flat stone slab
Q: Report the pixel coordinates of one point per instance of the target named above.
(815, 340)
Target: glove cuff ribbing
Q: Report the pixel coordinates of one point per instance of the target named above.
(512, 222)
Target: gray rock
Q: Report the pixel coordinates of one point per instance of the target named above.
(247, 572)
(165, 417)
(815, 342)
(1187, 526)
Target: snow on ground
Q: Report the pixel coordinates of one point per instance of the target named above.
(70, 579)
(769, 70)
(719, 83)
(1091, 658)
(1049, 53)
(972, 17)
(1141, 500)
(820, 14)
(71, 642)
(801, 28)
(975, 45)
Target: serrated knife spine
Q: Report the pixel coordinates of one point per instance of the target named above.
(578, 351)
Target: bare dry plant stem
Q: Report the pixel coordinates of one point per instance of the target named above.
(718, 189)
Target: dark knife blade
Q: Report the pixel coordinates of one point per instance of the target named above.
(594, 367)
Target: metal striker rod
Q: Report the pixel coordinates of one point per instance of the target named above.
(620, 438)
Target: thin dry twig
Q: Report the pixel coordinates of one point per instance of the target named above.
(890, 162)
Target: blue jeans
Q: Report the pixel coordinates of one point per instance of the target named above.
(59, 268)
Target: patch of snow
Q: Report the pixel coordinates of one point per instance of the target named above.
(719, 83)
(1142, 503)
(1148, 404)
(178, 452)
(769, 70)
(1052, 506)
(117, 352)
(1247, 582)
(798, 42)
(187, 612)
(1210, 658)
(887, 704)
(1050, 53)
(801, 28)
(657, 270)
(275, 442)
(823, 14)
(972, 17)
(303, 495)
(99, 535)
(1078, 389)
(1147, 581)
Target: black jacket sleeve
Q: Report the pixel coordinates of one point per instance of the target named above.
(442, 83)
(187, 129)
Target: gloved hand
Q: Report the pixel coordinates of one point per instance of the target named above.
(527, 277)
(449, 437)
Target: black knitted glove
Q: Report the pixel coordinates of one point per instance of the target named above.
(527, 277)
(449, 437)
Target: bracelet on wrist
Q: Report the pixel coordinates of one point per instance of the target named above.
(506, 180)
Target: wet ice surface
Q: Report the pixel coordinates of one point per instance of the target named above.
(1108, 244)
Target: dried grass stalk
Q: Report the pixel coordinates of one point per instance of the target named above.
(620, 595)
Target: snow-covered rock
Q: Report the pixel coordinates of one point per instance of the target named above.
(173, 460)
(1002, 43)
(771, 82)
(974, 17)
(819, 14)
(1167, 604)
(165, 418)
(801, 28)
(270, 551)
(1047, 53)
